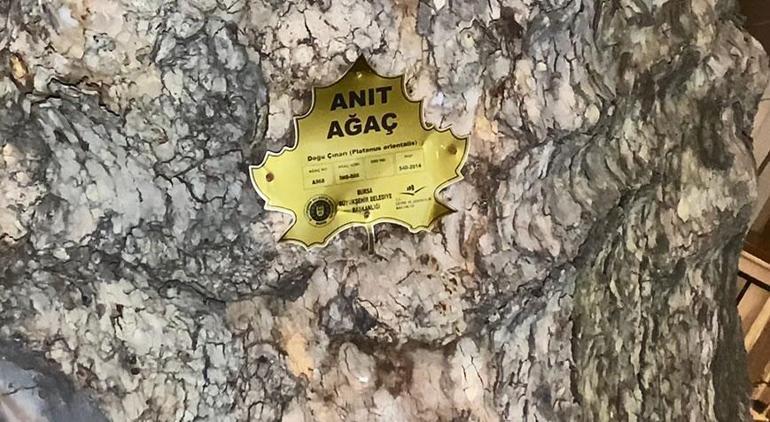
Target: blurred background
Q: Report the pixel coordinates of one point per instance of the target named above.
(754, 265)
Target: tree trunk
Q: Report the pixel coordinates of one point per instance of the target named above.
(588, 274)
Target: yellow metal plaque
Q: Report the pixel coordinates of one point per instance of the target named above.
(362, 156)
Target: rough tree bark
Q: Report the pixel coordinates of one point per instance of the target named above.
(588, 274)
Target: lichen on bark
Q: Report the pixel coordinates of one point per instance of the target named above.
(587, 275)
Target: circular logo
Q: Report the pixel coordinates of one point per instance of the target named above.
(320, 210)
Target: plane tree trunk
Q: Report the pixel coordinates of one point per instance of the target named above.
(588, 273)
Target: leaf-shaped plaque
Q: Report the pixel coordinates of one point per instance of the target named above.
(362, 156)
